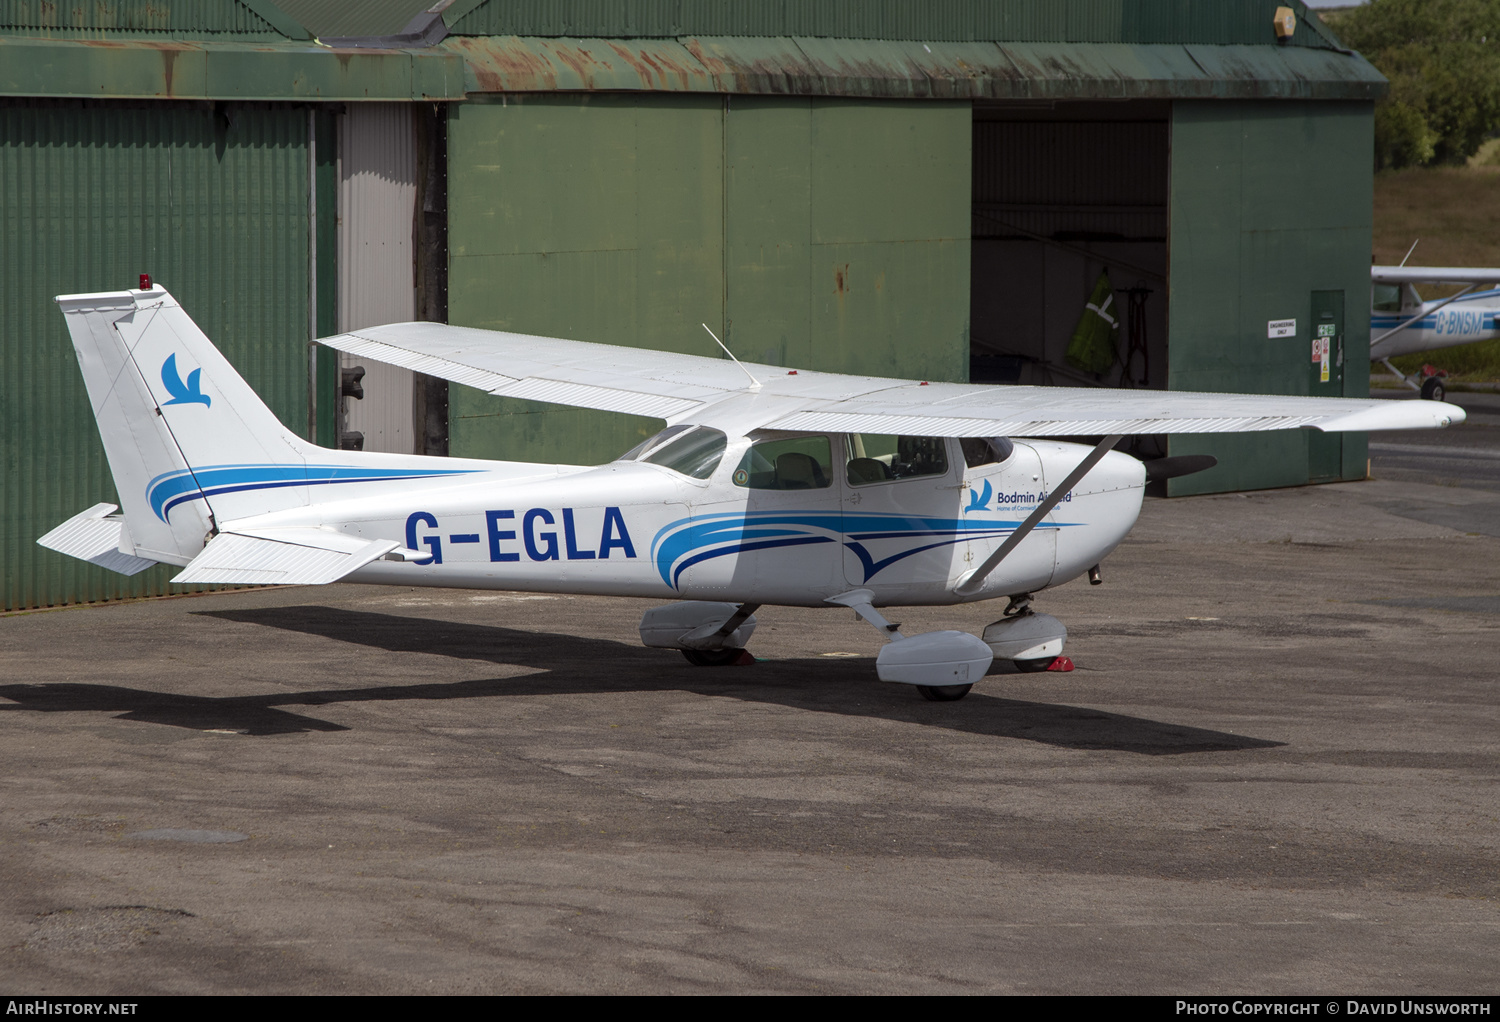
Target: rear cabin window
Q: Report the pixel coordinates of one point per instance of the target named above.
(986, 450)
(879, 457)
(797, 463)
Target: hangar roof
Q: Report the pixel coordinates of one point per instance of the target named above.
(417, 49)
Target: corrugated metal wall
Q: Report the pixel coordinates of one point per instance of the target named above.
(201, 18)
(215, 208)
(1101, 21)
(377, 204)
(352, 17)
(1270, 202)
(825, 234)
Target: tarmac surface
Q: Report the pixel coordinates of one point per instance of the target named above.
(1274, 771)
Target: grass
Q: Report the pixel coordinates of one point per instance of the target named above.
(1454, 211)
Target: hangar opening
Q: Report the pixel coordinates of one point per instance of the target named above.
(1062, 193)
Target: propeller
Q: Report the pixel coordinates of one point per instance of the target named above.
(1182, 465)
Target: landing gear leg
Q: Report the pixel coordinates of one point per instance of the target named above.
(938, 664)
(724, 656)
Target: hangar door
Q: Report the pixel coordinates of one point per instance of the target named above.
(212, 202)
(827, 234)
(1062, 193)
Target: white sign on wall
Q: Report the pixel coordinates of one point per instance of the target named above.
(1281, 328)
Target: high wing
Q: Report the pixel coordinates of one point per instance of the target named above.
(1433, 275)
(715, 391)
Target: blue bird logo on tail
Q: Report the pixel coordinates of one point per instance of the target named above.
(980, 501)
(184, 394)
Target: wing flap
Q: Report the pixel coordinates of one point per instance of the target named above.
(281, 557)
(94, 537)
(432, 365)
(610, 378)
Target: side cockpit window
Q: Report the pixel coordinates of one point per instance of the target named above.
(797, 463)
(877, 457)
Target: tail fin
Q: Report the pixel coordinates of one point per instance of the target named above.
(189, 443)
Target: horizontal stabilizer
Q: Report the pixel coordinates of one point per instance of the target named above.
(94, 537)
(304, 556)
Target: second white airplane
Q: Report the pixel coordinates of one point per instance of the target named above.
(1401, 323)
(767, 486)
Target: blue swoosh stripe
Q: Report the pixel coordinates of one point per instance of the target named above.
(741, 548)
(172, 488)
(692, 540)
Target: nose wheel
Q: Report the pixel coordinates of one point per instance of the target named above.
(943, 693)
(716, 657)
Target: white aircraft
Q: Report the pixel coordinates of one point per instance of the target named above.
(768, 485)
(1401, 323)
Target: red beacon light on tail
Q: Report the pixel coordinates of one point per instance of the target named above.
(145, 282)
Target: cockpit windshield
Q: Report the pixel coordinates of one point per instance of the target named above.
(652, 442)
(692, 450)
(1385, 297)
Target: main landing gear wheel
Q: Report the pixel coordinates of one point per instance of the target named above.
(944, 693)
(1433, 389)
(713, 657)
(1034, 666)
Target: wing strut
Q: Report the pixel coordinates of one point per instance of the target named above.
(971, 584)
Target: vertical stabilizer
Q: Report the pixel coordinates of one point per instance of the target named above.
(137, 442)
(188, 441)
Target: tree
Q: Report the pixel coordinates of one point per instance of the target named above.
(1443, 61)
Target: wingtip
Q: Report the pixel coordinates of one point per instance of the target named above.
(1396, 415)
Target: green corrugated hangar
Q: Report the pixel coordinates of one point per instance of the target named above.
(918, 189)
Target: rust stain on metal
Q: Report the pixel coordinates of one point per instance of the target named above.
(687, 77)
(897, 69)
(581, 62)
(504, 64)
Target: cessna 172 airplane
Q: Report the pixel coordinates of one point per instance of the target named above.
(767, 486)
(1401, 322)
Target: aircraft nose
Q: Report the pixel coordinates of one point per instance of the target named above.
(1115, 471)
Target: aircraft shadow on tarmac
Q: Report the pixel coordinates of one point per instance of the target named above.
(575, 665)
